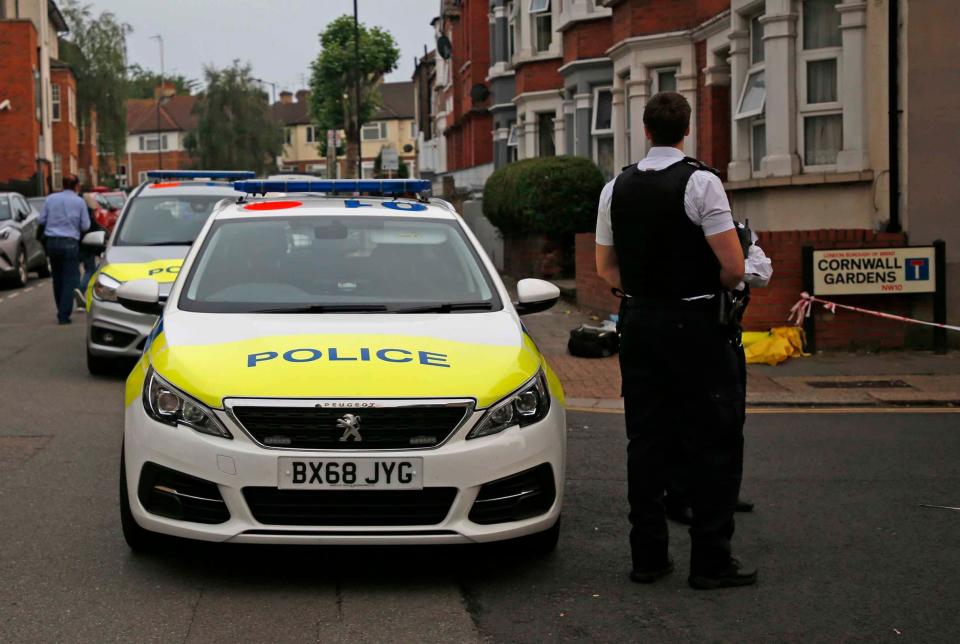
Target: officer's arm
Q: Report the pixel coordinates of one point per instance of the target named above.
(726, 246)
(608, 268)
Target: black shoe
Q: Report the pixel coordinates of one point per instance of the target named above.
(650, 575)
(735, 574)
(679, 513)
(744, 505)
(65, 321)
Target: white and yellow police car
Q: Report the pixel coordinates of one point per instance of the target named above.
(158, 224)
(345, 370)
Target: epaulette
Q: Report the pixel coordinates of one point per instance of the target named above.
(700, 165)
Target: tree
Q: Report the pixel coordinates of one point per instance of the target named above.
(332, 93)
(141, 82)
(235, 130)
(96, 50)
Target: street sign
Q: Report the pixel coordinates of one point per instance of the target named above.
(389, 160)
(856, 271)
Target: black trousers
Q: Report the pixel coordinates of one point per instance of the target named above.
(64, 254)
(683, 400)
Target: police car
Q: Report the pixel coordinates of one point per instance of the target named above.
(158, 224)
(343, 370)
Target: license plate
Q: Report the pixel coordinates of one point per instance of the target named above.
(350, 473)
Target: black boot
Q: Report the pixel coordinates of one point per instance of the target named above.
(735, 574)
(648, 575)
(743, 505)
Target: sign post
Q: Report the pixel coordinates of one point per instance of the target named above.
(940, 297)
(389, 161)
(809, 327)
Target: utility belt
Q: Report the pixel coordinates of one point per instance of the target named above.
(725, 308)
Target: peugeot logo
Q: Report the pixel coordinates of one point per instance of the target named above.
(350, 424)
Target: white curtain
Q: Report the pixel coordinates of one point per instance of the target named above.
(823, 137)
(821, 24)
(822, 81)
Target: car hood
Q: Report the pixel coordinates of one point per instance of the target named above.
(162, 263)
(213, 357)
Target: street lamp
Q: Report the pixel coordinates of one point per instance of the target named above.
(273, 89)
(159, 39)
(356, 87)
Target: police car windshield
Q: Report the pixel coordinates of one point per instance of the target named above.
(165, 220)
(337, 264)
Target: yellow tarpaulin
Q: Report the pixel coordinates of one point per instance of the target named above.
(774, 346)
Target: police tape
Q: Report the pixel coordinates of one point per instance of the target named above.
(802, 309)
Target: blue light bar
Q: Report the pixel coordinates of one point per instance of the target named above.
(364, 186)
(226, 175)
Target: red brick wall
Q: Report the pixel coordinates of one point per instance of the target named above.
(771, 305)
(643, 17)
(19, 128)
(588, 39)
(533, 256)
(144, 161)
(468, 134)
(539, 76)
(64, 132)
(713, 117)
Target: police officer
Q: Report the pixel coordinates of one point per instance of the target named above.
(666, 241)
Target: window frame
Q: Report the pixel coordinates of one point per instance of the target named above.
(553, 129)
(807, 110)
(381, 131)
(544, 8)
(513, 41)
(536, 28)
(755, 163)
(56, 172)
(56, 107)
(594, 131)
(740, 113)
(71, 106)
(288, 136)
(655, 72)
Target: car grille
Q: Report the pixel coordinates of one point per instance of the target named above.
(379, 428)
(272, 506)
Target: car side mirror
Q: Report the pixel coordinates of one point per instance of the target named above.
(21, 215)
(96, 239)
(535, 295)
(142, 296)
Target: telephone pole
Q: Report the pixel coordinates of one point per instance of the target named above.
(159, 39)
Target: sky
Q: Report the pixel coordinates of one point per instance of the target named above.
(278, 37)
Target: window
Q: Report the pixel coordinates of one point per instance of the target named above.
(758, 143)
(151, 142)
(757, 48)
(73, 164)
(80, 134)
(413, 129)
(545, 135)
(665, 80)
(140, 144)
(513, 10)
(366, 169)
(310, 134)
(627, 145)
(287, 136)
(374, 131)
(818, 83)
(513, 143)
(71, 106)
(602, 111)
(141, 176)
(57, 178)
(512, 138)
(55, 102)
(542, 24)
(38, 94)
(753, 97)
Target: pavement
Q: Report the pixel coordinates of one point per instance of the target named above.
(895, 378)
(853, 533)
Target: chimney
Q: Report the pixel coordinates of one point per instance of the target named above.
(303, 95)
(286, 97)
(165, 89)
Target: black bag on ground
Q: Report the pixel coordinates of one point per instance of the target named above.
(593, 342)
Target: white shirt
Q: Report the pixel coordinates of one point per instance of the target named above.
(704, 200)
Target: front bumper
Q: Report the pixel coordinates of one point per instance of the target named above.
(115, 331)
(233, 465)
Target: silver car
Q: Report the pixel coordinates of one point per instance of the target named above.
(20, 250)
(156, 228)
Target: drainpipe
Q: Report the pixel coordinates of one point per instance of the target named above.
(893, 74)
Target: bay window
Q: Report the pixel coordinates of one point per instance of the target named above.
(546, 146)
(818, 71)
(601, 127)
(542, 24)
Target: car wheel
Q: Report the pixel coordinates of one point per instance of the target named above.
(44, 270)
(20, 277)
(541, 543)
(137, 538)
(100, 365)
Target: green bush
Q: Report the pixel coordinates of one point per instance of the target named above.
(550, 195)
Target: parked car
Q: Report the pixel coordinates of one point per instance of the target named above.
(106, 205)
(20, 250)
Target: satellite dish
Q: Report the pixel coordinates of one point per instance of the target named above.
(444, 48)
(479, 93)
(408, 148)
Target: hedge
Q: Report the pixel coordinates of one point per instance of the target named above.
(549, 195)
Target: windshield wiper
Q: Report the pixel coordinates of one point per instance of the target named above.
(447, 307)
(171, 243)
(328, 308)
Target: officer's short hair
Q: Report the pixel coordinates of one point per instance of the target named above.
(69, 181)
(667, 117)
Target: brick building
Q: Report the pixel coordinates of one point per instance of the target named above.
(64, 130)
(156, 134)
(28, 44)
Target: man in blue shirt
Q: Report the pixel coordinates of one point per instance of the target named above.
(65, 219)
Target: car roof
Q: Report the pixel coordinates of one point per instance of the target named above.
(178, 187)
(292, 204)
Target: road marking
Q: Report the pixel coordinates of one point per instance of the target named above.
(28, 289)
(813, 410)
(13, 295)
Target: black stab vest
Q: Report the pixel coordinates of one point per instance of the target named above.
(661, 253)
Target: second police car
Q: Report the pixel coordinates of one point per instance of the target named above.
(150, 239)
(341, 370)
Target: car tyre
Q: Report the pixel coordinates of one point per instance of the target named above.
(20, 276)
(542, 543)
(100, 365)
(138, 539)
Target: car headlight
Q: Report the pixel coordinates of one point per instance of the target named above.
(527, 405)
(166, 404)
(105, 288)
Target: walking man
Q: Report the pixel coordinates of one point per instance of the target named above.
(666, 239)
(65, 219)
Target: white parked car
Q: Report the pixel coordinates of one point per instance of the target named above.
(341, 370)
